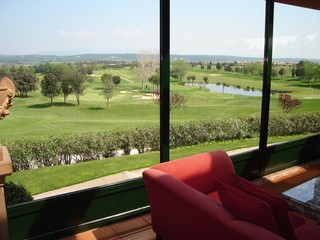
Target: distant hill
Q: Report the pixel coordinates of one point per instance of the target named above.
(37, 59)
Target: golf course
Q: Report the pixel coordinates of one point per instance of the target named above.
(132, 107)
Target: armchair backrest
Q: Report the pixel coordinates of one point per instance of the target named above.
(200, 171)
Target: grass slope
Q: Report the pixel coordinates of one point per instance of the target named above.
(49, 178)
(34, 116)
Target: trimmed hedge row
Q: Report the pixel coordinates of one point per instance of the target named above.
(79, 147)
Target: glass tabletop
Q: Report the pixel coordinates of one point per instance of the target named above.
(308, 192)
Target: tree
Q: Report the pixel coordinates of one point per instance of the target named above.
(306, 71)
(193, 78)
(107, 90)
(25, 81)
(66, 85)
(179, 69)
(282, 72)
(106, 77)
(293, 71)
(148, 65)
(218, 66)
(206, 80)
(189, 78)
(317, 73)
(287, 103)
(89, 71)
(60, 70)
(4, 72)
(116, 80)
(155, 80)
(50, 86)
(237, 69)
(253, 69)
(274, 73)
(77, 84)
(228, 68)
(176, 101)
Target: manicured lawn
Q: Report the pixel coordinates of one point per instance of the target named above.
(130, 108)
(49, 178)
(34, 116)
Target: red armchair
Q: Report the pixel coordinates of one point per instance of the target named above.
(185, 203)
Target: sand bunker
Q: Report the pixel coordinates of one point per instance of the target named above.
(129, 91)
(148, 96)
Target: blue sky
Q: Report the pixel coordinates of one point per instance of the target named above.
(229, 27)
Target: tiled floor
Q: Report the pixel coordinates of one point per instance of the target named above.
(140, 227)
(136, 228)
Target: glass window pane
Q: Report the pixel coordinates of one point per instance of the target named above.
(295, 74)
(88, 64)
(221, 43)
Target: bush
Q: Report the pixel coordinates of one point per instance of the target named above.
(50, 151)
(287, 103)
(16, 193)
(290, 124)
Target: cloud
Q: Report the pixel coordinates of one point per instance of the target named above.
(311, 37)
(122, 33)
(255, 43)
(258, 43)
(284, 41)
(250, 43)
(77, 34)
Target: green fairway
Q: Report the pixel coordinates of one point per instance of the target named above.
(130, 107)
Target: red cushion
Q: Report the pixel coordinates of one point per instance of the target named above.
(307, 232)
(277, 204)
(214, 196)
(246, 207)
(295, 219)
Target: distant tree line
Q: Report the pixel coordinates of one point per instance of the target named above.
(305, 71)
(68, 78)
(87, 67)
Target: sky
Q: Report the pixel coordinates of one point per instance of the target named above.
(210, 27)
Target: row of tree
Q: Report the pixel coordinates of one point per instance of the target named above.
(54, 84)
(304, 70)
(59, 79)
(67, 78)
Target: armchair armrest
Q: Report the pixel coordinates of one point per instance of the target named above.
(181, 212)
(211, 166)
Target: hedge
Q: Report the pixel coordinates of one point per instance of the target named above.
(87, 146)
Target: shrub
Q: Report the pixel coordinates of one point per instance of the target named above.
(50, 151)
(16, 193)
(141, 137)
(125, 141)
(287, 103)
(289, 124)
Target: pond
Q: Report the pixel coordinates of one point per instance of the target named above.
(220, 88)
